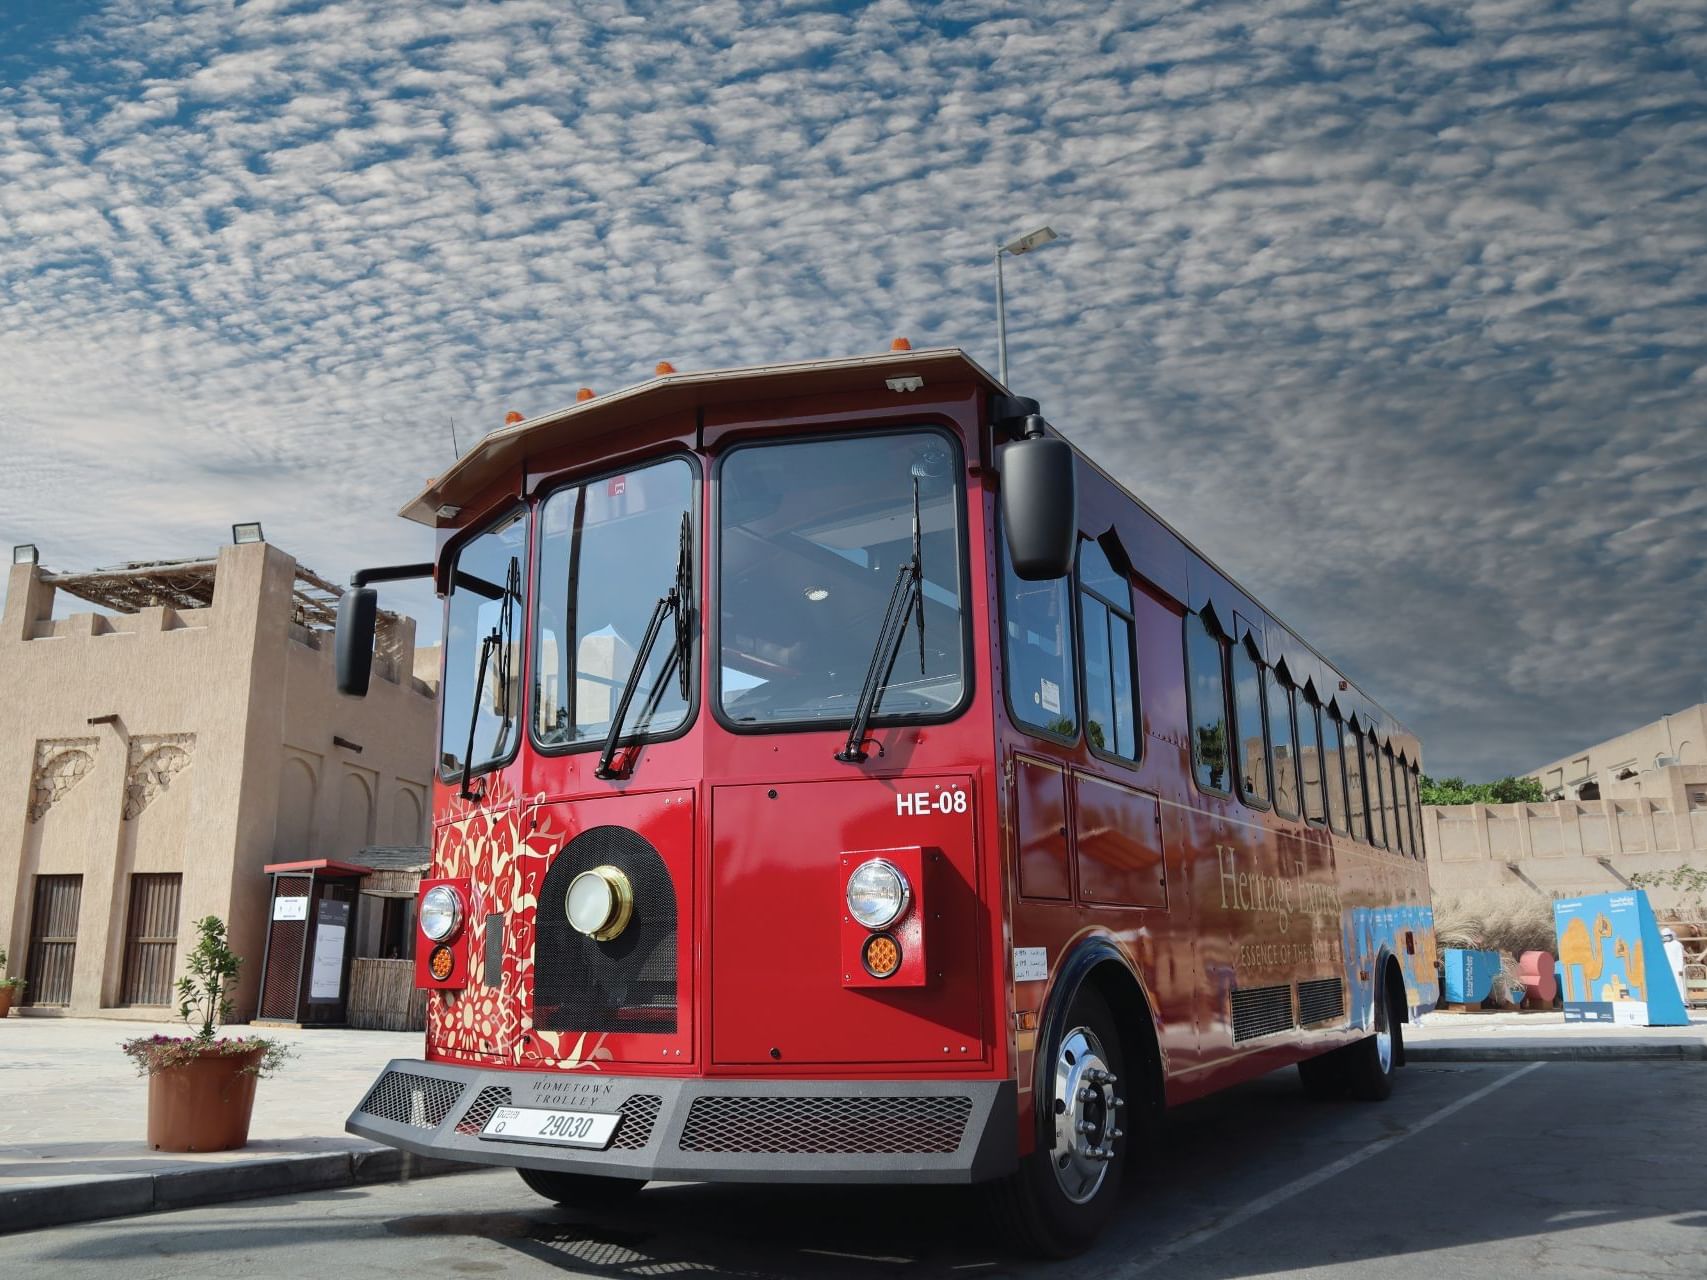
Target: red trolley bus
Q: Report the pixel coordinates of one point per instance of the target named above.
(843, 779)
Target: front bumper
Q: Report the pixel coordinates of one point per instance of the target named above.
(700, 1130)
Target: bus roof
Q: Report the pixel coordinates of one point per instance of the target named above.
(499, 452)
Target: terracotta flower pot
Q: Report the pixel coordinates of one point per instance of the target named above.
(5, 1000)
(202, 1105)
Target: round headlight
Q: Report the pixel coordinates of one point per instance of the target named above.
(599, 903)
(441, 912)
(878, 894)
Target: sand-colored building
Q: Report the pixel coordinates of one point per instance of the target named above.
(162, 750)
(1653, 822)
(1678, 739)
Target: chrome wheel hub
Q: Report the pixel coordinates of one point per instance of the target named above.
(1086, 1110)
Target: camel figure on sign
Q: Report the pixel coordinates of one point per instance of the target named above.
(1577, 948)
(1633, 967)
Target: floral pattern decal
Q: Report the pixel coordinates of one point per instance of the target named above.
(504, 848)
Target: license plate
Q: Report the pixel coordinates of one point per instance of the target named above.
(565, 1128)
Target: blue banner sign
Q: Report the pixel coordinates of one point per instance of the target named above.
(1612, 963)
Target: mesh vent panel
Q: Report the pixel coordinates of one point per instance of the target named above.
(420, 1101)
(639, 1114)
(1320, 1000)
(626, 984)
(826, 1126)
(1261, 1011)
(486, 1102)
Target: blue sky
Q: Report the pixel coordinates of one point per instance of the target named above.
(1399, 311)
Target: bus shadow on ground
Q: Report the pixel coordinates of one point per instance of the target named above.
(1211, 1159)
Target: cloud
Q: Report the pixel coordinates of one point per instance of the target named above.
(1397, 312)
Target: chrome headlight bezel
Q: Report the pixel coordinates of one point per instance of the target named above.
(886, 895)
(436, 920)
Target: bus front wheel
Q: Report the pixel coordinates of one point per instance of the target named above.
(579, 1190)
(1063, 1193)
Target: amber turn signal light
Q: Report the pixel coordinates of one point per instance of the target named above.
(440, 963)
(881, 954)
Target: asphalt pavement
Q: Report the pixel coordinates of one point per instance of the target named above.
(1472, 1171)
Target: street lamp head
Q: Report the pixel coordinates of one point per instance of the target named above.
(1030, 241)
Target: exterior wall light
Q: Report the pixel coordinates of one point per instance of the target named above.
(241, 533)
(25, 554)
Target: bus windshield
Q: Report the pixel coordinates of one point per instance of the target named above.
(482, 649)
(811, 536)
(608, 549)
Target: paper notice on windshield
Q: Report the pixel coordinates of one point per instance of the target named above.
(1049, 695)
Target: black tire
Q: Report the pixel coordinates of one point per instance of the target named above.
(580, 1190)
(1370, 1064)
(1324, 1076)
(1032, 1206)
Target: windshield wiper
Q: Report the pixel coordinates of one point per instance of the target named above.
(908, 594)
(500, 639)
(681, 591)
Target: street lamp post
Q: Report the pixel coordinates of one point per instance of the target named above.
(1025, 244)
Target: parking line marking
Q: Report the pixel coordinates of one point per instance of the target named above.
(1262, 1204)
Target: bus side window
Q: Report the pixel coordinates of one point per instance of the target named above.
(1310, 758)
(1395, 806)
(1333, 769)
(1037, 627)
(1283, 754)
(1372, 787)
(1251, 747)
(1206, 695)
(1354, 781)
(1110, 657)
(1416, 814)
(1377, 775)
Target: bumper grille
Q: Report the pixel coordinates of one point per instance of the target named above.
(639, 1114)
(419, 1101)
(486, 1102)
(826, 1126)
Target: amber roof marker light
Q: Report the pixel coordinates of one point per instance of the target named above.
(1013, 248)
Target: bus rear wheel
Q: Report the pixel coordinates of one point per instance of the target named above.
(580, 1190)
(1371, 1062)
(1063, 1193)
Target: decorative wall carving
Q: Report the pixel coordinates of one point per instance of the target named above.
(155, 759)
(61, 764)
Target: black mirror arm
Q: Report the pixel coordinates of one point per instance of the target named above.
(390, 573)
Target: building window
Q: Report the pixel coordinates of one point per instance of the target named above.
(1283, 750)
(1037, 620)
(1206, 689)
(1311, 762)
(1105, 615)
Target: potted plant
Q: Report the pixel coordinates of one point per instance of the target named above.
(11, 989)
(201, 1089)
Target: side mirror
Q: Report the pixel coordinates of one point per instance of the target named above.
(1040, 503)
(358, 611)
